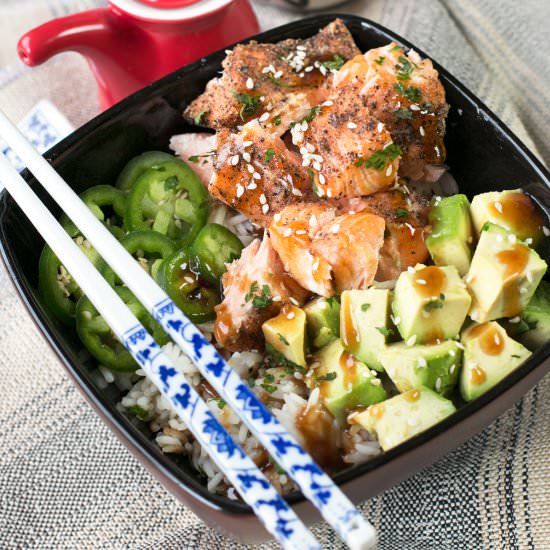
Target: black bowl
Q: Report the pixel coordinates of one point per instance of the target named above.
(483, 155)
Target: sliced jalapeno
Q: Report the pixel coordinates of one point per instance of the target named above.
(169, 199)
(99, 339)
(194, 296)
(148, 247)
(135, 167)
(106, 202)
(214, 247)
(58, 290)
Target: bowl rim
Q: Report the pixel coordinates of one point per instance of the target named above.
(119, 423)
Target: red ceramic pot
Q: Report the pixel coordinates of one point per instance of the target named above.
(131, 43)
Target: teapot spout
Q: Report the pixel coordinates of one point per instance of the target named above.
(77, 32)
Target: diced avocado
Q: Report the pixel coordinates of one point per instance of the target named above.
(489, 356)
(513, 210)
(403, 416)
(364, 323)
(536, 317)
(286, 334)
(435, 367)
(503, 275)
(430, 304)
(450, 242)
(323, 321)
(344, 382)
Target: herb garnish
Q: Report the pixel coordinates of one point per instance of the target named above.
(364, 307)
(328, 377)
(250, 103)
(278, 82)
(198, 118)
(434, 304)
(221, 402)
(385, 331)
(277, 120)
(334, 64)
(395, 48)
(195, 158)
(269, 154)
(401, 212)
(380, 60)
(379, 159)
(283, 339)
(411, 92)
(277, 359)
(269, 388)
(404, 68)
(138, 411)
(259, 301)
(251, 382)
(403, 113)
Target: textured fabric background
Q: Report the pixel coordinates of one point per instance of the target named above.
(66, 482)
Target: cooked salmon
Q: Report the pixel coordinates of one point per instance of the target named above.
(406, 215)
(349, 152)
(326, 252)
(255, 288)
(198, 151)
(403, 92)
(261, 78)
(256, 174)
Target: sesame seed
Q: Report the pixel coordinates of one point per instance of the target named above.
(315, 267)
(389, 170)
(452, 368)
(352, 125)
(329, 193)
(459, 345)
(498, 206)
(247, 143)
(452, 353)
(309, 69)
(256, 176)
(499, 238)
(421, 130)
(322, 179)
(301, 48)
(294, 301)
(291, 315)
(412, 340)
(529, 277)
(529, 241)
(438, 384)
(301, 75)
(278, 74)
(297, 192)
(228, 52)
(313, 220)
(266, 70)
(264, 117)
(422, 362)
(189, 280)
(376, 381)
(247, 157)
(380, 127)
(411, 270)
(240, 190)
(316, 166)
(336, 228)
(263, 200)
(304, 126)
(276, 298)
(301, 232)
(287, 232)
(235, 160)
(250, 168)
(546, 231)
(249, 83)
(436, 149)
(265, 208)
(512, 238)
(327, 103)
(421, 281)
(414, 107)
(514, 320)
(310, 148)
(276, 217)
(252, 185)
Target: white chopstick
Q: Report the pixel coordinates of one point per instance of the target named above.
(278, 518)
(316, 485)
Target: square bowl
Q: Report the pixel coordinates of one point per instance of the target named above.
(483, 155)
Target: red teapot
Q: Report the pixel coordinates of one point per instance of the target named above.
(131, 43)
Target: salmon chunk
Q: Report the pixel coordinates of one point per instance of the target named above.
(326, 252)
(255, 288)
(261, 78)
(257, 175)
(198, 151)
(403, 92)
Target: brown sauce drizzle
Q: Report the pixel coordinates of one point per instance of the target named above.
(376, 410)
(518, 212)
(477, 375)
(321, 437)
(515, 261)
(432, 281)
(348, 366)
(350, 336)
(490, 338)
(412, 396)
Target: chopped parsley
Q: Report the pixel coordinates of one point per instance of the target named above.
(277, 120)
(403, 113)
(269, 154)
(138, 411)
(396, 48)
(313, 112)
(283, 339)
(334, 64)
(365, 307)
(328, 377)
(259, 301)
(410, 92)
(385, 331)
(401, 212)
(250, 104)
(486, 226)
(379, 159)
(269, 388)
(278, 82)
(277, 359)
(198, 118)
(195, 158)
(221, 402)
(251, 382)
(380, 60)
(404, 68)
(434, 304)
(251, 292)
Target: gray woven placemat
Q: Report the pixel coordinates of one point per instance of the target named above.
(66, 482)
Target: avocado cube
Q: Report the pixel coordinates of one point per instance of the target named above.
(489, 356)
(435, 367)
(536, 318)
(343, 381)
(322, 321)
(503, 275)
(512, 210)
(430, 304)
(286, 334)
(365, 324)
(451, 238)
(403, 416)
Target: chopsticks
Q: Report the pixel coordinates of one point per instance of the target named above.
(315, 484)
(278, 518)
